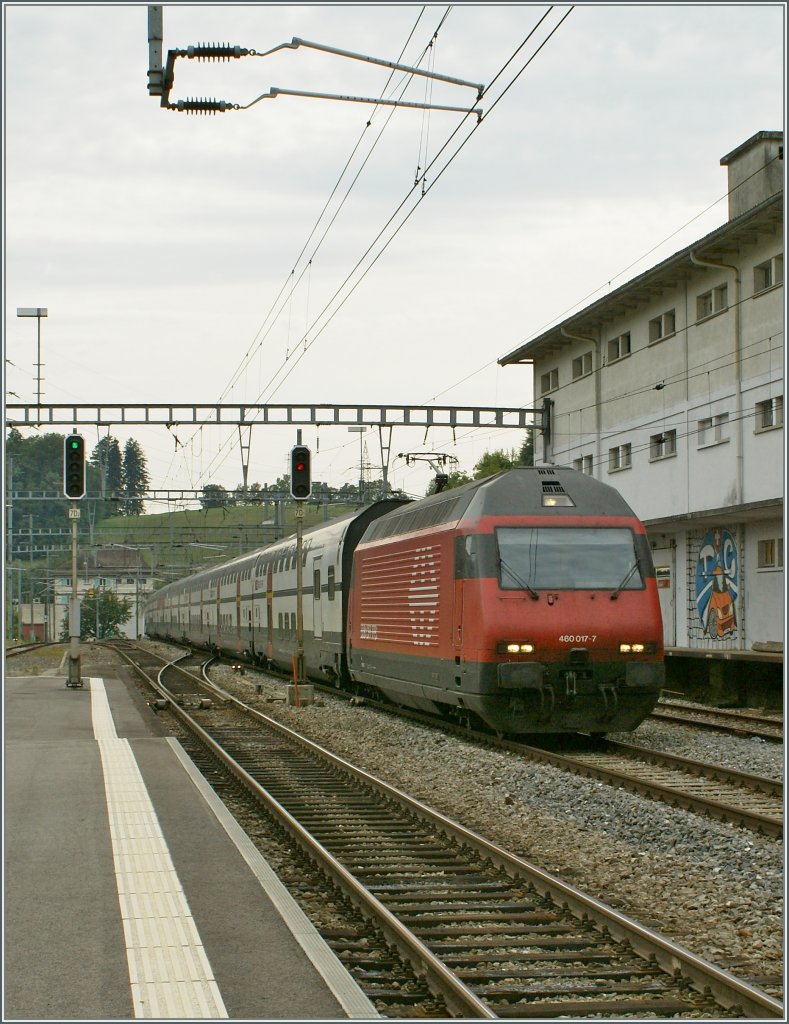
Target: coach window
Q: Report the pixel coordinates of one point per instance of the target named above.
(330, 583)
(316, 585)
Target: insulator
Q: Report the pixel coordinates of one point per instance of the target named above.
(215, 51)
(190, 106)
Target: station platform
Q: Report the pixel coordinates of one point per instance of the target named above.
(130, 891)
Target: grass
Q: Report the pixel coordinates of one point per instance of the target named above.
(192, 538)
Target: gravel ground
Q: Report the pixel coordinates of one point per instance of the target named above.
(712, 887)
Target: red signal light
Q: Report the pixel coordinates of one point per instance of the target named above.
(300, 482)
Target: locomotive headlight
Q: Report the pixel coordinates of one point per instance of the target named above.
(515, 647)
(636, 648)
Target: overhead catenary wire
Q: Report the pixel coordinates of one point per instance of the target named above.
(291, 280)
(275, 384)
(321, 215)
(284, 369)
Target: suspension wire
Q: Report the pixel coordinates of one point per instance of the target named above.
(409, 214)
(273, 384)
(258, 343)
(321, 214)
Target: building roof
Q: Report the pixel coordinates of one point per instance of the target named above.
(112, 560)
(720, 244)
(769, 136)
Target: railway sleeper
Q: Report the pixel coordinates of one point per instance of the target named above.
(564, 972)
(585, 1008)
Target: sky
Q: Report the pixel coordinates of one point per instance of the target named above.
(283, 253)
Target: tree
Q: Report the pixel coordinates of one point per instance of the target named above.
(494, 462)
(134, 477)
(35, 464)
(106, 458)
(526, 454)
(102, 613)
(454, 479)
(214, 496)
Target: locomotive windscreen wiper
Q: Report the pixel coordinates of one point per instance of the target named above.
(625, 581)
(521, 582)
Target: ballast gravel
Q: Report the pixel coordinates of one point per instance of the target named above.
(712, 887)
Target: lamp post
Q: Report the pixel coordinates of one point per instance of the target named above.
(37, 312)
(360, 431)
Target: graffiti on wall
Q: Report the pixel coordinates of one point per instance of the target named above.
(717, 584)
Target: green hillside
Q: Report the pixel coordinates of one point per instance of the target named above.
(185, 541)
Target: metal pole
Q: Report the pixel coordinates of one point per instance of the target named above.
(38, 364)
(32, 633)
(74, 678)
(299, 598)
(10, 547)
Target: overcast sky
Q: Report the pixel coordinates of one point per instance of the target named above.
(160, 243)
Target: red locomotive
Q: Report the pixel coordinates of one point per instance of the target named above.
(527, 600)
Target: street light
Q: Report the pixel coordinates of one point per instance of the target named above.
(360, 431)
(37, 312)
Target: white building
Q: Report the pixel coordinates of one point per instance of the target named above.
(671, 390)
(119, 569)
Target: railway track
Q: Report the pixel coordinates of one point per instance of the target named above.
(13, 652)
(491, 934)
(748, 801)
(739, 723)
(751, 801)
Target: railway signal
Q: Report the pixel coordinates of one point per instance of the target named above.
(74, 466)
(300, 480)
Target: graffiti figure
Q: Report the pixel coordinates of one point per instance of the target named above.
(716, 584)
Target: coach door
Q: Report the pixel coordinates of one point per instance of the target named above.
(270, 610)
(317, 600)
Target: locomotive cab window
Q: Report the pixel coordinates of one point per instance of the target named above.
(568, 558)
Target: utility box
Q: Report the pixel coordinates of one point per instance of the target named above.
(306, 694)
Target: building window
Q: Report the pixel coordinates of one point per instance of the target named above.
(619, 347)
(714, 301)
(770, 414)
(582, 365)
(767, 274)
(549, 381)
(771, 553)
(713, 430)
(584, 464)
(663, 446)
(662, 326)
(619, 458)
